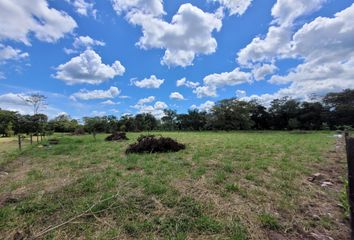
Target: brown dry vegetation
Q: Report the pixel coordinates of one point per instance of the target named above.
(223, 186)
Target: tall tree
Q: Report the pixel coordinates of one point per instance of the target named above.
(36, 100)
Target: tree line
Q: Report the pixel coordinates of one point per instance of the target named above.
(333, 111)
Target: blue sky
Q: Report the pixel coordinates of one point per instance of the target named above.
(126, 56)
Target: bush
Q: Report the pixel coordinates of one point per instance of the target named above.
(152, 144)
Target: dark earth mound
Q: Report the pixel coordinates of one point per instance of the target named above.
(53, 141)
(152, 144)
(118, 136)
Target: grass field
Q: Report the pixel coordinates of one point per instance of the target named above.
(240, 185)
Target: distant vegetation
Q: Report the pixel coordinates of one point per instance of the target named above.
(334, 111)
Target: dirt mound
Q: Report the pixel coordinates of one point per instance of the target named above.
(118, 136)
(79, 131)
(152, 144)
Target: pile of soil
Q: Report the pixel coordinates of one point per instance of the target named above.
(117, 136)
(53, 141)
(79, 131)
(152, 144)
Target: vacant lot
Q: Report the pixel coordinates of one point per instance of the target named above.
(237, 185)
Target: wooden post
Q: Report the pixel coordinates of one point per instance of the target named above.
(19, 142)
(31, 140)
(346, 135)
(350, 161)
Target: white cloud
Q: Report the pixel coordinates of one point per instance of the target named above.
(241, 93)
(207, 106)
(160, 105)
(238, 7)
(83, 42)
(152, 82)
(205, 91)
(227, 78)
(109, 102)
(276, 43)
(88, 68)
(84, 8)
(150, 7)
(9, 53)
(86, 42)
(143, 101)
(260, 71)
(183, 82)
(19, 19)
(326, 47)
(156, 109)
(189, 34)
(217, 80)
(84, 94)
(15, 102)
(285, 12)
(176, 96)
(124, 97)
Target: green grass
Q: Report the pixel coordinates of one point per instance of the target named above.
(210, 190)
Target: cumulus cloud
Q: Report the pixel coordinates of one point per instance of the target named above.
(241, 93)
(84, 94)
(260, 71)
(88, 68)
(326, 47)
(83, 42)
(15, 102)
(176, 96)
(143, 101)
(234, 7)
(150, 7)
(189, 34)
(184, 82)
(205, 91)
(87, 42)
(152, 82)
(109, 102)
(19, 19)
(207, 106)
(285, 12)
(154, 109)
(84, 7)
(276, 43)
(9, 53)
(217, 80)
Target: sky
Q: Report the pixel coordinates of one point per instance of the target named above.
(118, 57)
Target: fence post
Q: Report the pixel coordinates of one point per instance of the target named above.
(350, 161)
(19, 142)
